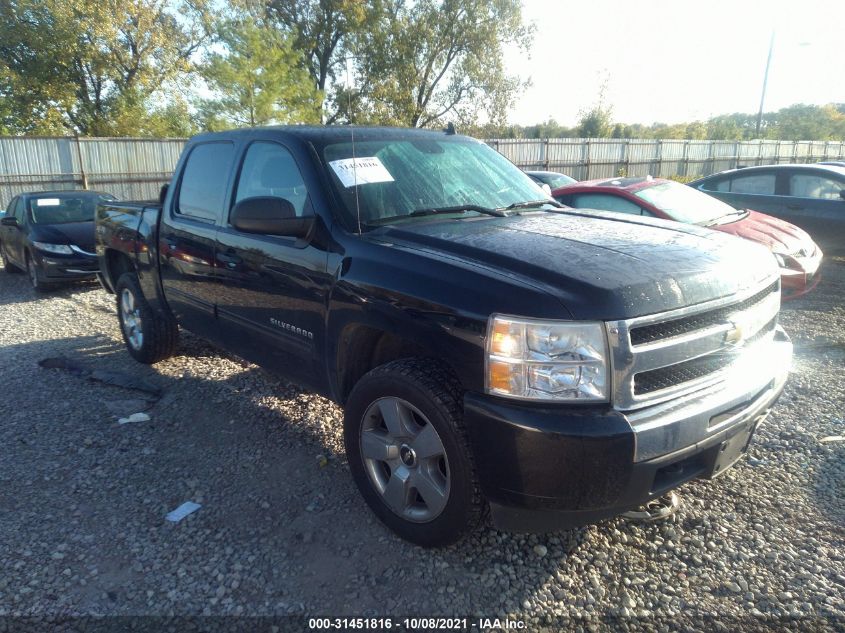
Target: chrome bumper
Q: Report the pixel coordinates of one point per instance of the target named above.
(749, 390)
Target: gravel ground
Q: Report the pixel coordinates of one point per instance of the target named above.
(282, 529)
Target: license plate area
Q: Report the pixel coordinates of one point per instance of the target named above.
(732, 449)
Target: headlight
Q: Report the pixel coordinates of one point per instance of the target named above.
(547, 360)
(60, 249)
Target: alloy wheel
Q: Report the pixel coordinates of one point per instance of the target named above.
(405, 459)
(131, 319)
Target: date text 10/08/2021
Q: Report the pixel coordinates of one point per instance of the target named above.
(416, 624)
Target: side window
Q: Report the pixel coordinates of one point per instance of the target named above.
(20, 210)
(722, 185)
(270, 170)
(759, 184)
(202, 191)
(605, 202)
(10, 210)
(812, 186)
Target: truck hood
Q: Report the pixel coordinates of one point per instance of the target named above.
(600, 265)
(775, 234)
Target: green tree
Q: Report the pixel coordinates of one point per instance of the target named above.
(258, 80)
(325, 32)
(84, 65)
(432, 59)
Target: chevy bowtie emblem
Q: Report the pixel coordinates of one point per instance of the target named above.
(735, 335)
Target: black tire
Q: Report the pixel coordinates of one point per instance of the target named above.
(8, 266)
(159, 333)
(36, 279)
(435, 393)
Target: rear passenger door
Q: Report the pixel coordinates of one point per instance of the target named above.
(272, 299)
(815, 204)
(187, 235)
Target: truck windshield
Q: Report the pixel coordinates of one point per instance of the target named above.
(685, 204)
(400, 179)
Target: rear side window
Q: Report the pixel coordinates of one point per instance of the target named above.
(202, 192)
(270, 170)
(759, 184)
(813, 186)
(605, 202)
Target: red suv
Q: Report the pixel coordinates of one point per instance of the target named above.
(797, 255)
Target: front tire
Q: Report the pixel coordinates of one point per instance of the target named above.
(149, 336)
(35, 278)
(409, 453)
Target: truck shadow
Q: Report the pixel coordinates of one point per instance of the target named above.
(265, 459)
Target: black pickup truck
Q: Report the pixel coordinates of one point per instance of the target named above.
(491, 349)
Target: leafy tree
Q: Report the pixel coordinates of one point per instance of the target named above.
(258, 80)
(83, 65)
(429, 59)
(325, 32)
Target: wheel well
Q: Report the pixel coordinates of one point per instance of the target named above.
(117, 263)
(364, 348)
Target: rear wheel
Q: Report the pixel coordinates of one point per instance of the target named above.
(35, 277)
(409, 454)
(8, 266)
(149, 336)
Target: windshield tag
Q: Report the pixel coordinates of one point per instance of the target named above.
(47, 202)
(366, 170)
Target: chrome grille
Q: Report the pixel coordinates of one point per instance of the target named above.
(658, 357)
(677, 327)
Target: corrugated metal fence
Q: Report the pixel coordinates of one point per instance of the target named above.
(126, 167)
(585, 158)
(136, 168)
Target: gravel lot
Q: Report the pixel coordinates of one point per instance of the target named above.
(282, 529)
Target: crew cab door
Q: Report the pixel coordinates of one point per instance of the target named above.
(187, 230)
(271, 304)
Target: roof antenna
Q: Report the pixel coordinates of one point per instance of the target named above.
(450, 129)
(352, 134)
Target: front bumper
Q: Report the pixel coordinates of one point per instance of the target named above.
(544, 467)
(798, 282)
(66, 267)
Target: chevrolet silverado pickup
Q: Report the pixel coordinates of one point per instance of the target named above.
(493, 351)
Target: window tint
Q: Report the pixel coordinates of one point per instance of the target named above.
(812, 186)
(605, 202)
(760, 184)
(270, 170)
(203, 189)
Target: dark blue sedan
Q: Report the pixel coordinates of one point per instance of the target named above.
(809, 196)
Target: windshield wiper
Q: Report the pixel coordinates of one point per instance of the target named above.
(458, 208)
(531, 204)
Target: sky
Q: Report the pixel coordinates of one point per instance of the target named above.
(672, 62)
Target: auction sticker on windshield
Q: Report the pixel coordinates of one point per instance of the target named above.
(360, 171)
(48, 202)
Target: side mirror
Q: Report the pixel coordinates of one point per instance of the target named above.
(162, 193)
(842, 193)
(9, 220)
(269, 215)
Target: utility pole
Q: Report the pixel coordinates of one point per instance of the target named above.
(765, 81)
